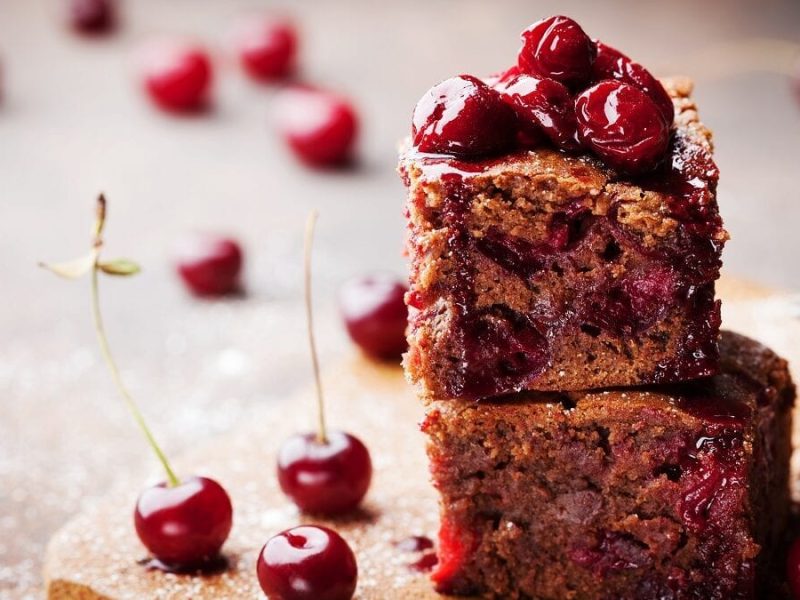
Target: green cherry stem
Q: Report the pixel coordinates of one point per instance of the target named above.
(105, 350)
(322, 434)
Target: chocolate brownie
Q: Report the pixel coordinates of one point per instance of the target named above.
(541, 270)
(676, 491)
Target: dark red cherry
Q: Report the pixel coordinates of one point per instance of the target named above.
(91, 16)
(613, 64)
(793, 568)
(307, 563)
(319, 126)
(177, 76)
(375, 314)
(209, 265)
(184, 526)
(325, 478)
(622, 125)
(557, 48)
(465, 117)
(267, 48)
(546, 105)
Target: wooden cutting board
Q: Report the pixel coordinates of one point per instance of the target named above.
(98, 556)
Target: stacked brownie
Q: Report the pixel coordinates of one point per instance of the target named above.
(591, 434)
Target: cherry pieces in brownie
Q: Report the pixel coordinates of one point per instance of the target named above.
(545, 270)
(662, 492)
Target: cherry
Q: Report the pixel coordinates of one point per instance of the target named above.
(546, 105)
(209, 265)
(182, 523)
(557, 48)
(91, 16)
(178, 76)
(309, 562)
(793, 568)
(613, 64)
(185, 525)
(324, 477)
(322, 472)
(465, 117)
(320, 127)
(375, 314)
(267, 48)
(622, 125)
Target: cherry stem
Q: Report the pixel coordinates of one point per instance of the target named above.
(105, 350)
(322, 435)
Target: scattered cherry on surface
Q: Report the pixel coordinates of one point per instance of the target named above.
(91, 16)
(557, 48)
(319, 126)
(309, 562)
(793, 568)
(267, 48)
(325, 472)
(324, 477)
(546, 105)
(184, 525)
(375, 314)
(177, 76)
(464, 117)
(622, 125)
(613, 64)
(208, 264)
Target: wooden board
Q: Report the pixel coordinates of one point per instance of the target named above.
(95, 555)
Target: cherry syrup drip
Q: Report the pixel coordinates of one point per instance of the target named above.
(689, 177)
(425, 563)
(712, 469)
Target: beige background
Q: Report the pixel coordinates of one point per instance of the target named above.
(73, 121)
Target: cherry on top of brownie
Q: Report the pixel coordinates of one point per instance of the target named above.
(549, 251)
(566, 90)
(581, 97)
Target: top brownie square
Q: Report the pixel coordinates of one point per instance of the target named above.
(544, 271)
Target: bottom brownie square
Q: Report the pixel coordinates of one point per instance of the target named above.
(661, 492)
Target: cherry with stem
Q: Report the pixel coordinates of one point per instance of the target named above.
(183, 523)
(322, 436)
(327, 471)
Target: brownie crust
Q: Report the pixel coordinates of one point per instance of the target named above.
(544, 271)
(670, 492)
